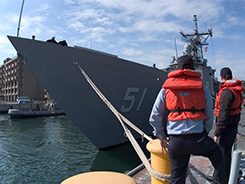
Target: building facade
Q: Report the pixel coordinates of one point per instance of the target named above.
(16, 79)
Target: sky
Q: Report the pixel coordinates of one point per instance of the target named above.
(142, 31)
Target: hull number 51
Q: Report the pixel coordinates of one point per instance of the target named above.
(133, 98)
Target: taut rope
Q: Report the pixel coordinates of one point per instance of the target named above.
(123, 120)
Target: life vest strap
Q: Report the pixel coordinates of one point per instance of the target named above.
(192, 110)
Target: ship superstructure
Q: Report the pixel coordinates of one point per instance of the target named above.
(196, 45)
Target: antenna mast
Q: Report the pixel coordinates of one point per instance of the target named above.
(196, 41)
(21, 10)
(175, 45)
(195, 21)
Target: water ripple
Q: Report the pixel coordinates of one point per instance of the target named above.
(42, 150)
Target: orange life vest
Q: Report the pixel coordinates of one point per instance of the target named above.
(237, 89)
(185, 97)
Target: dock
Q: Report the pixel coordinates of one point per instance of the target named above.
(199, 172)
(200, 169)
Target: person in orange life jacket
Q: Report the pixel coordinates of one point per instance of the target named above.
(227, 111)
(183, 110)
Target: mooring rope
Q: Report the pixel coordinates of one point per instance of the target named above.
(123, 120)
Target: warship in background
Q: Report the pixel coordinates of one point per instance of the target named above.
(196, 44)
(131, 87)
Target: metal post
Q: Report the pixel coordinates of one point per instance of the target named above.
(159, 161)
(175, 45)
(234, 148)
(235, 165)
(18, 29)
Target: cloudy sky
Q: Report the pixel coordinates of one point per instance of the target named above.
(139, 30)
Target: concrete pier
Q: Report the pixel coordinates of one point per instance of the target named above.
(200, 169)
(199, 172)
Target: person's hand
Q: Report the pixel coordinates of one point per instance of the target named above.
(216, 139)
(164, 144)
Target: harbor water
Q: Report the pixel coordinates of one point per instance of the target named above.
(51, 149)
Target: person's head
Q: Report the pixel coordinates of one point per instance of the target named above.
(226, 73)
(185, 62)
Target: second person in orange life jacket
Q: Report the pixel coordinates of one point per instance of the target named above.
(227, 111)
(183, 111)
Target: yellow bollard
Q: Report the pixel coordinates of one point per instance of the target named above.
(159, 160)
(99, 177)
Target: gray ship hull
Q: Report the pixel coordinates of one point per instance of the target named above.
(130, 87)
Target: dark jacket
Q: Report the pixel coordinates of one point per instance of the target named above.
(224, 120)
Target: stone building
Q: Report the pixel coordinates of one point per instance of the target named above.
(16, 79)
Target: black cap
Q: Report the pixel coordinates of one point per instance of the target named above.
(226, 73)
(185, 62)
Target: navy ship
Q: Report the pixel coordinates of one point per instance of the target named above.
(130, 87)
